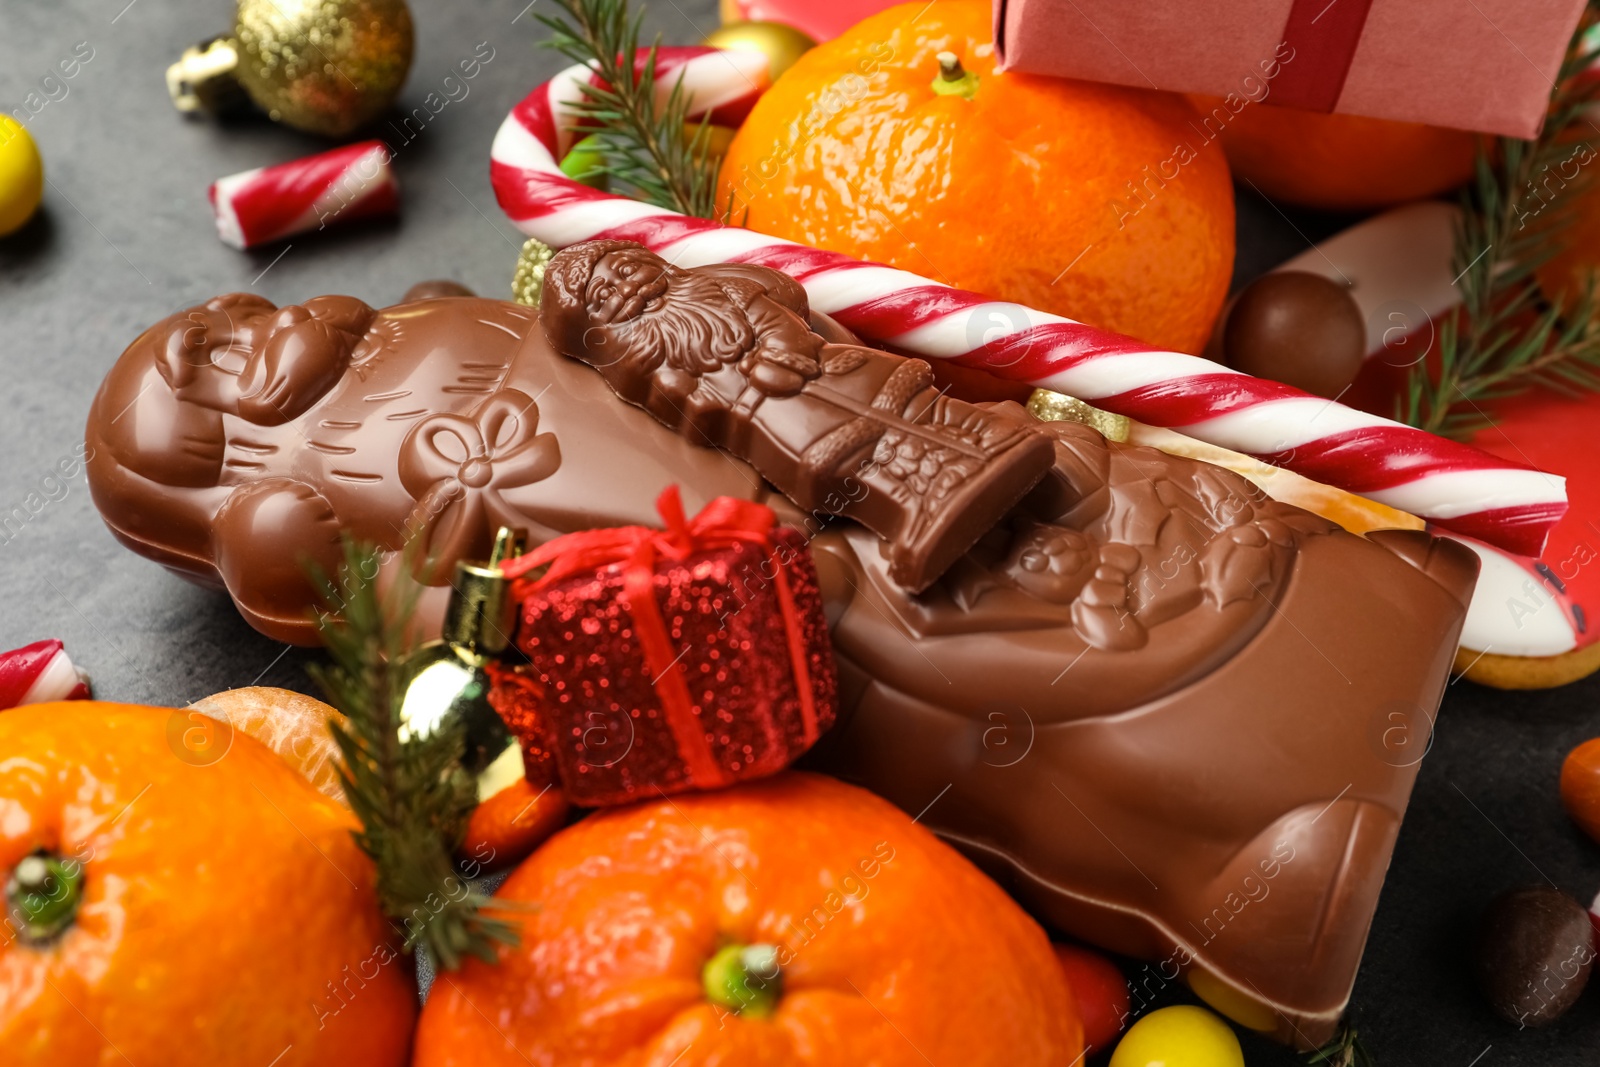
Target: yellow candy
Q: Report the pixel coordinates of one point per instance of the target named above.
(1228, 1001)
(21, 176)
(1182, 1036)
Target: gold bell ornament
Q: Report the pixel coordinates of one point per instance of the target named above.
(449, 677)
(324, 66)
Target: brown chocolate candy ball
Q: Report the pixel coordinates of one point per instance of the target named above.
(1535, 950)
(1297, 328)
(435, 288)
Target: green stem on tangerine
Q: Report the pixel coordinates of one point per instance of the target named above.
(954, 79)
(43, 895)
(745, 979)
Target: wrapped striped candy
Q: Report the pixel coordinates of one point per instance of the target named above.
(255, 207)
(1451, 485)
(39, 673)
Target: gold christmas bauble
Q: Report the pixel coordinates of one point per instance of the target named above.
(326, 66)
(780, 43)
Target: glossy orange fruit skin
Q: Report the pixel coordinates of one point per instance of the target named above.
(1341, 162)
(895, 950)
(1580, 786)
(1565, 275)
(504, 828)
(219, 903)
(291, 724)
(1034, 191)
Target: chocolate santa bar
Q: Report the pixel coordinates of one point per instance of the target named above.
(1162, 708)
(724, 355)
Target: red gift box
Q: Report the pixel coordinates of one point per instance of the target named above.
(1486, 65)
(669, 660)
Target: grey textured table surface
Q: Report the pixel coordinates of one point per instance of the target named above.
(125, 238)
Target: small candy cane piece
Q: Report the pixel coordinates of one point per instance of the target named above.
(257, 206)
(39, 673)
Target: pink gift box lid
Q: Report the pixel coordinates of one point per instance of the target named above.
(1486, 65)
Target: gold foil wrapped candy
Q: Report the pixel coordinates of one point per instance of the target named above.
(527, 283)
(1059, 407)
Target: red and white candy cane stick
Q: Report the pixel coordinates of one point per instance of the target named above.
(721, 85)
(254, 207)
(38, 673)
(1450, 484)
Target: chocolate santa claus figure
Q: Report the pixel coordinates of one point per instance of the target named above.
(1161, 707)
(724, 355)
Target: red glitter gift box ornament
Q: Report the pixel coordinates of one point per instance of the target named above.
(677, 659)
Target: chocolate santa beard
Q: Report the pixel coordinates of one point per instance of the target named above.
(1223, 685)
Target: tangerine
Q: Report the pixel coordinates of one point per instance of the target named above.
(1567, 275)
(796, 920)
(184, 906)
(1580, 786)
(292, 724)
(1339, 162)
(503, 828)
(511, 823)
(1096, 202)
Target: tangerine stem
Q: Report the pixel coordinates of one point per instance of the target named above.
(43, 895)
(954, 79)
(745, 979)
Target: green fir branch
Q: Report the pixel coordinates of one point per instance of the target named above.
(648, 152)
(1345, 1050)
(1506, 336)
(412, 795)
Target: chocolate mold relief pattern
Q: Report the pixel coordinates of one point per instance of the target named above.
(1188, 673)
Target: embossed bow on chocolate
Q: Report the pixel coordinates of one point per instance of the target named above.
(457, 466)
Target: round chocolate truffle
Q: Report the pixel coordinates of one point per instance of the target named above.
(1535, 950)
(1297, 328)
(435, 288)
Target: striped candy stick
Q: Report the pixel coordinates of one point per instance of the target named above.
(266, 204)
(38, 673)
(1452, 485)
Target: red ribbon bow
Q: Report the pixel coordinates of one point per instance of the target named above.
(723, 523)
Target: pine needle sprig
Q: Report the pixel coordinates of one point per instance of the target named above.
(412, 795)
(649, 152)
(1345, 1050)
(1507, 337)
